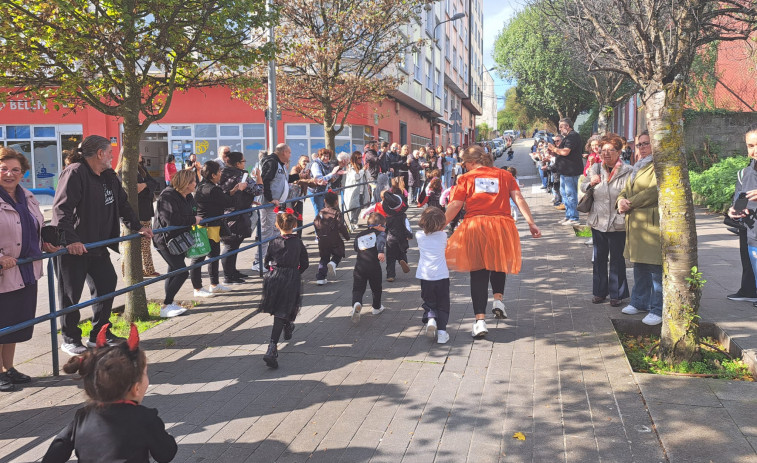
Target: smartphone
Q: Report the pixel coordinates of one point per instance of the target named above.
(741, 202)
(244, 177)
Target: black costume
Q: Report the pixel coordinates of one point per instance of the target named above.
(368, 245)
(282, 286)
(331, 231)
(122, 432)
(397, 231)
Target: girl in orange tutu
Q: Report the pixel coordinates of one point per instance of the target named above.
(486, 244)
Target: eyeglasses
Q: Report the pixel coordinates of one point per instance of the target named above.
(609, 151)
(643, 145)
(15, 171)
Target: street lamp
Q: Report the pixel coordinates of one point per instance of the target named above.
(433, 56)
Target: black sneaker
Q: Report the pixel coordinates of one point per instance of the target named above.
(73, 348)
(17, 377)
(6, 383)
(739, 297)
(239, 274)
(233, 281)
(110, 339)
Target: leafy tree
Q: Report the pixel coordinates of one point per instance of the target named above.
(531, 51)
(340, 54)
(517, 115)
(654, 43)
(126, 58)
(483, 131)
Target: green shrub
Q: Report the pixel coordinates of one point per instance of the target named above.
(715, 186)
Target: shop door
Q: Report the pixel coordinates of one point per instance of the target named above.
(154, 153)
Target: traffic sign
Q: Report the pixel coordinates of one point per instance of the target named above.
(455, 115)
(455, 128)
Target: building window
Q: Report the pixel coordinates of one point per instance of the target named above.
(429, 76)
(454, 57)
(417, 141)
(305, 139)
(42, 146)
(417, 66)
(446, 99)
(446, 49)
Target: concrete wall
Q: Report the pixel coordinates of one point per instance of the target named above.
(724, 132)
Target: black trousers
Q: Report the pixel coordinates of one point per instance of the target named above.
(436, 302)
(97, 270)
(394, 252)
(174, 283)
(372, 277)
(196, 273)
(615, 284)
(748, 288)
(327, 254)
(229, 263)
(479, 287)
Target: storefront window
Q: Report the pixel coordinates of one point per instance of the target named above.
(181, 131)
(206, 131)
(253, 130)
(229, 131)
(44, 132)
(206, 150)
(18, 131)
(45, 162)
(316, 130)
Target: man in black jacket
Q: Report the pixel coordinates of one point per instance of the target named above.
(569, 164)
(88, 203)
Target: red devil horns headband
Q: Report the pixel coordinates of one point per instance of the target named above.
(132, 342)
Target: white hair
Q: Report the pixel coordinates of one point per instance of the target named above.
(343, 157)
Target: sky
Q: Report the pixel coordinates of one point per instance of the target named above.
(496, 13)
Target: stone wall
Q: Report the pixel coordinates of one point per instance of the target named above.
(720, 133)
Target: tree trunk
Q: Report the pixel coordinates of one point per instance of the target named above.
(680, 327)
(602, 121)
(136, 300)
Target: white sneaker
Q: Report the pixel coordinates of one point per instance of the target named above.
(431, 328)
(321, 282)
(479, 329)
(652, 319)
(255, 266)
(631, 310)
(332, 269)
(499, 309)
(219, 288)
(202, 292)
(356, 312)
(172, 310)
(378, 311)
(442, 337)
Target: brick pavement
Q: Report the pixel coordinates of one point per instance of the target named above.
(380, 390)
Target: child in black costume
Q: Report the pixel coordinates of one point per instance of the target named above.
(434, 194)
(397, 234)
(369, 246)
(287, 259)
(113, 426)
(331, 232)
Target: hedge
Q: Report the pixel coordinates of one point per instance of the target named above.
(715, 186)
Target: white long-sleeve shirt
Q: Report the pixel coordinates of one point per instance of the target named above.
(432, 265)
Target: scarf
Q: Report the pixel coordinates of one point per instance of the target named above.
(29, 233)
(640, 164)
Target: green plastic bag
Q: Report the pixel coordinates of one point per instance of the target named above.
(201, 247)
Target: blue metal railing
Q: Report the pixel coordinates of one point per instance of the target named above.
(54, 314)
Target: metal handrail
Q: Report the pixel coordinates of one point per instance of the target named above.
(54, 314)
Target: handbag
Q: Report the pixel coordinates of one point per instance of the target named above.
(179, 245)
(201, 247)
(587, 201)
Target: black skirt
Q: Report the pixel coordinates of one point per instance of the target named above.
(18, 306)
(282, 293)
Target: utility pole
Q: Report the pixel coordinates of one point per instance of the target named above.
(272, 111)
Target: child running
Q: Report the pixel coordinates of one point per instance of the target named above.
(113, 426)
(331, 232)
(433, 273)
(369, 246)
(433, 194)
(398, 233)
(287, 259)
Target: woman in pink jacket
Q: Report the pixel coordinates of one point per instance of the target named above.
(21, 223)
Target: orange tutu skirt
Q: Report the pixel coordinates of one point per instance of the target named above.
(485, 242)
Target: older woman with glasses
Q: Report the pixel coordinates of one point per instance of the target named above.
(605, 180)
(638, 201)
(21, 222)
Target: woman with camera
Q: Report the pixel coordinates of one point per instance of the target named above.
(638, 201)
(744, 201)
(604, 181)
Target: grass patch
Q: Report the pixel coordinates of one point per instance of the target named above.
(642, 355)
(583, 232)
(119, 327)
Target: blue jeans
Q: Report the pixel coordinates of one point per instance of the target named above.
(753, 260)
(647, 287)
(543, 176)
(569, 193)
(318, 203)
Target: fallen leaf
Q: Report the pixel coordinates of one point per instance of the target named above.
(519, 436)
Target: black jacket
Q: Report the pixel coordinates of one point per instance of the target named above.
(329, 226)
(572, 164)
(147, 195)
(366, 260)
(173, 209)
(212, 201)
(287, 251)
(239, 225)
(746, 180)
(82, 201)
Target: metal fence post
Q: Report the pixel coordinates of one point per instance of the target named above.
(260, 246)
(53, 321)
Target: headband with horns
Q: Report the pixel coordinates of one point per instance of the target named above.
(132, 341)
(288, 210)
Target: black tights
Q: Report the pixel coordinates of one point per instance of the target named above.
(479, 287)
(278, 326)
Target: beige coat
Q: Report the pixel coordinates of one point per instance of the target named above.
(10, 242)
(643, 220)
(604, 216)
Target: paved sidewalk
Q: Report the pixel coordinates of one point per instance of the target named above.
(381, 391)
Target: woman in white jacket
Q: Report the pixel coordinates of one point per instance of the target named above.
(355, 198)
